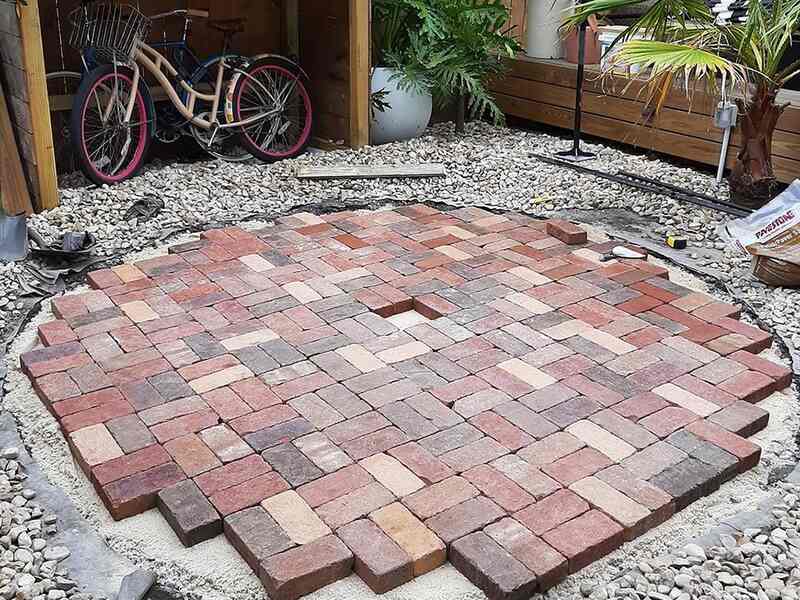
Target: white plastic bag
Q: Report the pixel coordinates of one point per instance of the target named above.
(773, 231)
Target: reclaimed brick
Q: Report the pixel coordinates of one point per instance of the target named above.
(575, 466)
(292, 464)
(255, 535)
(295, 517)
(630, 514)
(137, 493)
(491, 568)
(189, 513)
(425, 549)
(354, 505)
(379, 561)
(231, 474)
(544, 561)
(465, 518)
(300, 571)
(499, 488)
(585, 539)
(249, 493)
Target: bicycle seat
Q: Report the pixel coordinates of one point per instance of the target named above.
(227, 25)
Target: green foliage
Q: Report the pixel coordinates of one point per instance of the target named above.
(685, 42)
(448, 47)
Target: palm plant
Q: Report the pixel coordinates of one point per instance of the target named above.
(448, 47)
(683, 42)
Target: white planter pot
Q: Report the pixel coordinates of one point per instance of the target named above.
(406, 118)
(544, 19)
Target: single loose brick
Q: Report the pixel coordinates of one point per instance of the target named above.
(379, 561)
(300, 571)
(189, 513)
(585, 539)
(566, 232)
(491, 568)
(425, 549)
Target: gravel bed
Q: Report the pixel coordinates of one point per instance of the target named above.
(761, 563)
(29, 566)
(489, 166)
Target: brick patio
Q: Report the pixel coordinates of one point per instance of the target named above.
(380, 392)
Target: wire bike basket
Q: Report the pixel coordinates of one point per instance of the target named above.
(110, 30)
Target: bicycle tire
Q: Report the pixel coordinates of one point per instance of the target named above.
(144, 116)
(276, 66)
(227, 153)
(63, 83)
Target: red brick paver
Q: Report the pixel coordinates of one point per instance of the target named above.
(370, 391)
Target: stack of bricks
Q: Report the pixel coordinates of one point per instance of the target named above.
(380, 392)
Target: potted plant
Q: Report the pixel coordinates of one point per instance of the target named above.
(401, 101)
(448, 48)
(685, 43)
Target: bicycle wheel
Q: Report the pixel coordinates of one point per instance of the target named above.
(274, 90)
(226, 144)
(108, 149)
(63, 83)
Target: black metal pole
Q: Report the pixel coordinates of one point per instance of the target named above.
(576, 154)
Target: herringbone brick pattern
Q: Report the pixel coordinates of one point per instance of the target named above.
(377, 391)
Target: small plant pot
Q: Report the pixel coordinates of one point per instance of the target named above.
(408, 114)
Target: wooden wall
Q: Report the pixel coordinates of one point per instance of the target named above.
(324, 54)
(519, 12)
(15, 70)
(544, 91)
(263, 29)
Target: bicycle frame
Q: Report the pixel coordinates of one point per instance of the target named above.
(159, 67)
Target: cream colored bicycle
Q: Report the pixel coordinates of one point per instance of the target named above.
(265, 101)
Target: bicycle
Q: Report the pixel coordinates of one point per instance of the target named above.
(266, 103)
(170, 126)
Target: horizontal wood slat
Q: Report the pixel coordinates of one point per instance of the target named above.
(544, 91)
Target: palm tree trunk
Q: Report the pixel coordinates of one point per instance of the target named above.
(752, 179)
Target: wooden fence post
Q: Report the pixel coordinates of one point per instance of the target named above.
(41, 129)
(14, 193)
(359, 11)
